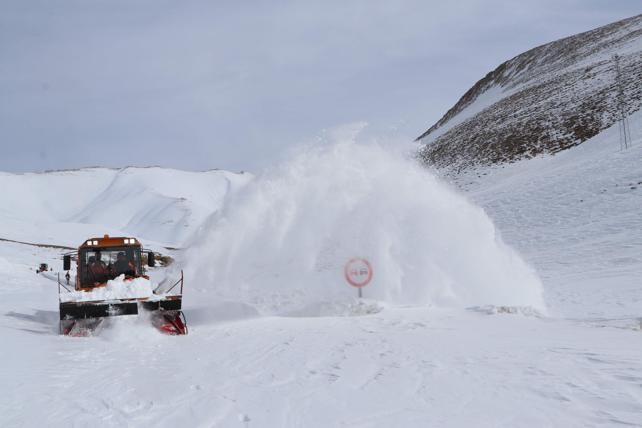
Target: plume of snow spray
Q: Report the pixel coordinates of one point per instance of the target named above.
(281, 243)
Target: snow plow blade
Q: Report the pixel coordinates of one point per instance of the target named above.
(75, 310)
(84, 318)
(79, 310)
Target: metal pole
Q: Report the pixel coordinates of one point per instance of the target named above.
(621, 105)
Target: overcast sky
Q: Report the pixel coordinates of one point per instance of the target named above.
(232, 85)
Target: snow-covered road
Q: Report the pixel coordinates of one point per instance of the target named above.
(397, 367)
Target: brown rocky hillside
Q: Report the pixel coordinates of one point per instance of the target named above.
(547, 99)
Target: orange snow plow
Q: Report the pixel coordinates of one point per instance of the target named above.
(111, 281)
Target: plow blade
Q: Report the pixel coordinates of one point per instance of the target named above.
(86, 318)
(73, 310)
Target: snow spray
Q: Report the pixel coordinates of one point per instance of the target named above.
(281, 243)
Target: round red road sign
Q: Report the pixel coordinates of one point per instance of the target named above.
(358, 272)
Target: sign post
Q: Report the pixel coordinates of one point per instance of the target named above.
(358, 273)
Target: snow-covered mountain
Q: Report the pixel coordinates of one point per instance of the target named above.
(545, 100)
(160, 205)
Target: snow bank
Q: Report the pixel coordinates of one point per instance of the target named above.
(117, 288)
(282, 242)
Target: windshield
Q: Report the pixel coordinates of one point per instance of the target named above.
(97, 266)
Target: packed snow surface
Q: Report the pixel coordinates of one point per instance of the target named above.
(118, 288)
(282, 243)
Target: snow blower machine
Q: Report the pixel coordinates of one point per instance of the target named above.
(111, 281)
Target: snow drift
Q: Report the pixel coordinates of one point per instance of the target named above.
(282, 242)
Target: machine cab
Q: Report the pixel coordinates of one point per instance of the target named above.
(102, 259)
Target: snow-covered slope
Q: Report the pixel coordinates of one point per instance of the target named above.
(155, 204)
(577, 216)
(545, 100)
